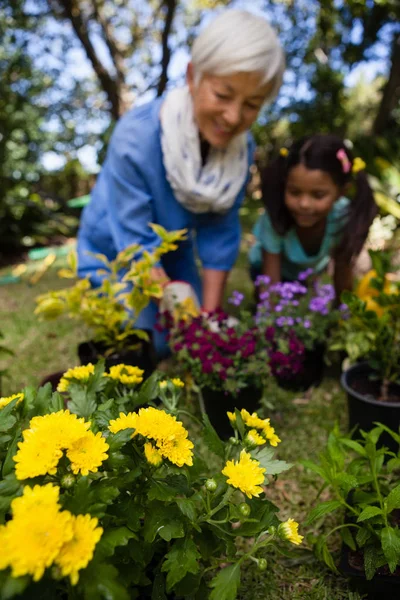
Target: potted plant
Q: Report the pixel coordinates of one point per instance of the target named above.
(363, 481)
(224, 361)
(300, 310)
(109, 500)
(111, 310)
(371, 339)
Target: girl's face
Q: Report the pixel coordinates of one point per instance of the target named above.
(310, 195)
(226, 105)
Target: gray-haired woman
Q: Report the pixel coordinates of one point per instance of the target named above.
(183, 160)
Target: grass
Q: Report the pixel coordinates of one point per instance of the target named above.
(302, 421)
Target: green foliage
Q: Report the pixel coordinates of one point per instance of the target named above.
(163, 530)
(373, 335)
(112, 309)
(360, 476)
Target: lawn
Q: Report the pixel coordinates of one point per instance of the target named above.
(302, 421)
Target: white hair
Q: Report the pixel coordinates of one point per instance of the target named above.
(238, 41)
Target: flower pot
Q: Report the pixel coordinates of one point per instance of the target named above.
(381, 587)
(144, 356)
(364, 407)
(217, 403)
(311, 374)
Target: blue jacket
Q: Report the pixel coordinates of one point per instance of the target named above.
(132, 190)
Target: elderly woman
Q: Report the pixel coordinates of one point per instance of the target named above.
(182, 161)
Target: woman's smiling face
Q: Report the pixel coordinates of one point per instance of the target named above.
(226, 105)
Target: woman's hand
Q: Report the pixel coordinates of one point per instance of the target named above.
(213, 288)
(158, 275)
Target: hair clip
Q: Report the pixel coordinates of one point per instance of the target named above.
(344, 159)
(358, 165)
(284, 152)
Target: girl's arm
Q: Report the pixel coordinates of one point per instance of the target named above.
(342, 277)
(271, 266)
(213, 288)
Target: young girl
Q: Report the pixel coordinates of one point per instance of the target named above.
(319, 206)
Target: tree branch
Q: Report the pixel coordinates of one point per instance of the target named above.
(80, 25)
(166, 51)
(110, 40)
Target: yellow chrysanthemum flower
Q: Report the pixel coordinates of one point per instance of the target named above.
(254, 421)
(231, 417)
(254, 438)
(246, 474)
(358, 165)
(124, 421)
(7, 399)
(33, 538)
(62, 427)
(284, 152)
(152, 455)
(289, 531)
(178, 382)
(37, 455)
(126, 374)
(79, 374)
(44, 441)
(271, 436)
(78, 552)
(87, 453)
(39, 497)
(169, 435)
(163, 384)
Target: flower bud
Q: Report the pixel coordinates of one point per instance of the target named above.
(234, 441)
(244, 509)
(262, 564)
(211, 485)
(67, 481)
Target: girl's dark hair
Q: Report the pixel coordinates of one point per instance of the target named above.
(319, 152)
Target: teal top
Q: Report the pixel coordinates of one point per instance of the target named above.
(294, 257)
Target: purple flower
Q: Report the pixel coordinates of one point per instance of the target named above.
(262, 280)
(280, 321)
(303, 275)
(236, 298)
(307, 324)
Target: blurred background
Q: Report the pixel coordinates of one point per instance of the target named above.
(70, 68)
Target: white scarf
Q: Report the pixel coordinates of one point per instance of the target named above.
(209, 188)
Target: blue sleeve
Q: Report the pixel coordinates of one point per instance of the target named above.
(123, 185)
(269, 239)
(218, 239)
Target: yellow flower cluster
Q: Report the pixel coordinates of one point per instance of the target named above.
(176, 382)
(6, 400)
(78, 374)
(48, 435)
(254, 422)
(289, 531)
(170, 436)
(358, 165)
(126, 374)
(41, 534)
(245, 474)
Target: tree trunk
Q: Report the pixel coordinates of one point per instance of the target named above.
(391, 92)
(166, 51)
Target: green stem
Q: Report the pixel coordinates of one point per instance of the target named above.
(188, 414)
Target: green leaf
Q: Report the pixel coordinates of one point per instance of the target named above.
(162, 520)
(119, 439)
(308, 464)
(391, 547)
(368, 513)
(7, 420)
(158, 590)
(346, 482)
(56, 402)
(187, 508)
(102, 580)
(371, 558)
(181, 559)
(9, 463)
(348, 538)
(266, 460)
(83, 403)
(111, 539)
(226, 583)
(211, 438)
(356, 446)
(393, 499)
(322, 509)
(150, 389)
(13, 586)
(362, 537)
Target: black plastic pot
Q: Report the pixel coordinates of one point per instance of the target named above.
(380, 587)
(217, 403)
(364, 409)
(144, 356)
(311, 374)
(53, 379)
